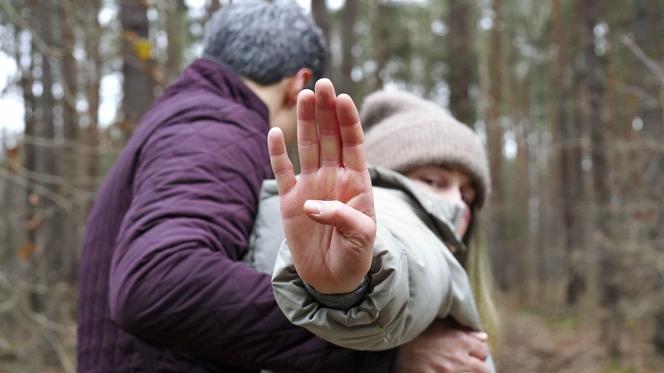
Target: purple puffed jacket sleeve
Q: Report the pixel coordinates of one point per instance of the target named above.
(176, 280)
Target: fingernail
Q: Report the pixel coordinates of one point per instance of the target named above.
(482, 335)
(313, 207)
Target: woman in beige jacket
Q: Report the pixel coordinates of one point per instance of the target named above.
(431, 181)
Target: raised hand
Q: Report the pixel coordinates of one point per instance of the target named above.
(328, 214)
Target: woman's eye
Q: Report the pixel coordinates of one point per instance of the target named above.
(428, 181)
(442, 182)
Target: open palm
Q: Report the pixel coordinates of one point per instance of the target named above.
(328, 213)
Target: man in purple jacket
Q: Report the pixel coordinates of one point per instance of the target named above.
(162, 287)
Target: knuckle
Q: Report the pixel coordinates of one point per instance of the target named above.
(340, 209)
(308, 142)
(283, 171)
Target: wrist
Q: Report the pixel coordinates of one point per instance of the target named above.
(349, 286)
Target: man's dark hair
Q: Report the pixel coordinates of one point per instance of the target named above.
(265, 42)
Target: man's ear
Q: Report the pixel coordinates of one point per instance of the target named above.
(296, 83)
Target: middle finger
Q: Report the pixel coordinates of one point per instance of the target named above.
(328, 125)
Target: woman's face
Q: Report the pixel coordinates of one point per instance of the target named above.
(450, 184)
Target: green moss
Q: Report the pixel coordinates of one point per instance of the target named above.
(615, 367)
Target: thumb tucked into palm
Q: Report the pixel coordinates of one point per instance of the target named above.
(328, 214)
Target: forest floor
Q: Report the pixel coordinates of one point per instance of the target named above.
(534, 342)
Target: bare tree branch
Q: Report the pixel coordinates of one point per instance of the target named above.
(21, 22)
(643, 57)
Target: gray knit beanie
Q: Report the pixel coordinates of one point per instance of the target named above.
(405, 131)
(265, 41)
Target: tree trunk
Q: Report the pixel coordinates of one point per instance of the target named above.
(494, 131)
(494, 135)
(524, 191)
(176, 29)
(51, 239)
(380, 50)
(648, 22)
(26, 83)
(45, 225)
(460, 60)
(92, 82)
(211, 7)
(138, 82)
(348, 21)
(570, 184)
(69, 155)
(658, 339)
(609, 283)
(322, 18)
(8, 204)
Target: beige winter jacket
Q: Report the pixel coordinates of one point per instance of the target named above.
(414, 276)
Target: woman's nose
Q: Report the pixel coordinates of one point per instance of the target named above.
(454, 193)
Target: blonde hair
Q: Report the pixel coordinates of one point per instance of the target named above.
(478, 268)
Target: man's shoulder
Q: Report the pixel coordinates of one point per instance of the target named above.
(196, 104)
(204, 114)
(194, 124)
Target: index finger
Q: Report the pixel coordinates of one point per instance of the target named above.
(352, 136)
(281, 165)
(479, 349)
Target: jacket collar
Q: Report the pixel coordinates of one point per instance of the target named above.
(444, 217)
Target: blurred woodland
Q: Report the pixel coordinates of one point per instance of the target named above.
(568, 94)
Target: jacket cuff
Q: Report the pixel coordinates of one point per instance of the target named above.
(343, 301)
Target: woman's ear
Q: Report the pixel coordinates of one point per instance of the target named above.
(296, 83)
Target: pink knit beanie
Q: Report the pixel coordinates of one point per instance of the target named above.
(405, 131)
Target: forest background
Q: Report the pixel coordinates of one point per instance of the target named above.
(567, 94)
